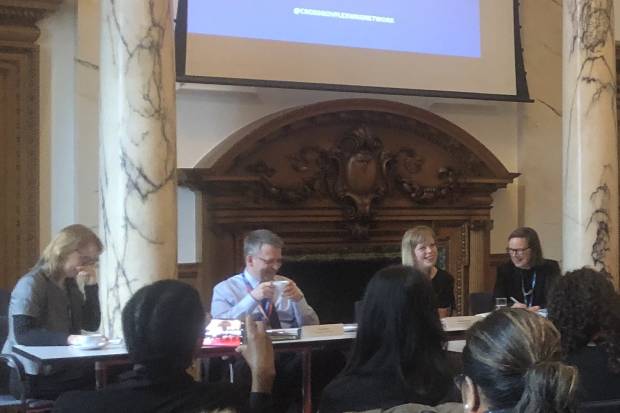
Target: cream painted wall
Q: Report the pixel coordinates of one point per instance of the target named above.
(525, 137)
(57, 114)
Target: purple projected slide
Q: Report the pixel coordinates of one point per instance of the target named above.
(442, 27)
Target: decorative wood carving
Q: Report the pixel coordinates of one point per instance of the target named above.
(348, 177)
(19, 135)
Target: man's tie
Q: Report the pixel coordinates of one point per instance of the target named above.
(270, 310)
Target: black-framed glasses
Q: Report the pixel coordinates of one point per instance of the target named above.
(516, 251)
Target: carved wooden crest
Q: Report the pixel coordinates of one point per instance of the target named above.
(356, 173)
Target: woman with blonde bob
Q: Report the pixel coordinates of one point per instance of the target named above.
(419, 250)
(47, 308)
(511, 364)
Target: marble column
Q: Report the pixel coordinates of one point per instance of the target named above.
(137, 153)
(590, 164)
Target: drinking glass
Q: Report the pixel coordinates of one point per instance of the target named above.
(500, 303)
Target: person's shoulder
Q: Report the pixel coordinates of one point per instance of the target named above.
(34, 278)
(422, 408)
(444, 274)
(78, 401)
(229, 280)
(551, 266)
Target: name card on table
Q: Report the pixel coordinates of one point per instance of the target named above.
(322, 330)
(461, 323)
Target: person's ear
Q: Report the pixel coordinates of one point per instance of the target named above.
(471, 398)
(249, 260)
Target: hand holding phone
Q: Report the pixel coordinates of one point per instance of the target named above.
(258, 353)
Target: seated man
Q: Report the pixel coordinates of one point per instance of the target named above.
(253, 291)
(163, 325)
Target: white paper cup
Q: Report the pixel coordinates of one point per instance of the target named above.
(279, 287)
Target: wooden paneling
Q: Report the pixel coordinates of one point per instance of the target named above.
(19, 136)
(349, 177)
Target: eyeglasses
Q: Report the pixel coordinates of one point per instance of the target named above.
(516, 251)
(86, 261)
(271, 262)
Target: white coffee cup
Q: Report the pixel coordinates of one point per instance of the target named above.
(279, 286)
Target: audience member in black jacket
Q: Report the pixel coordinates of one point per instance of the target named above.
(48, 309)
(398, 355)
(586, 309)
(527, 277)
(163, 325)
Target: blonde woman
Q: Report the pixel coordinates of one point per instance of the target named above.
(420, 251)
(47, 308)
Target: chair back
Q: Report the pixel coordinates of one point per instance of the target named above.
(480, 303)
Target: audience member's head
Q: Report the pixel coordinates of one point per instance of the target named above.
(584, 306)
(77, 239)
(418, 248)
(163, 325)
(512, 360)
(400, 333)
(524, 248)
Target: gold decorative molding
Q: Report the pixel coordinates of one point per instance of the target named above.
(18, 18)
(19, 135)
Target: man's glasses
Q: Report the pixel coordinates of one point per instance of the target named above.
(271, 262)
(516, 251)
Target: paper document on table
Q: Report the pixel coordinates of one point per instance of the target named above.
(322, 330)
(461, 323)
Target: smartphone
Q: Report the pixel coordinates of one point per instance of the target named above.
(222, 332)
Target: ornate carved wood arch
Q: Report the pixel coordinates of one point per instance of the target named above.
(348, 177)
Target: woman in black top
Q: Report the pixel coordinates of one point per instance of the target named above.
(586, 309)
(398, 356)
(527, 277)
(420, 250)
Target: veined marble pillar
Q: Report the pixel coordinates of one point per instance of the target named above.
(590, 164)
(137, 153)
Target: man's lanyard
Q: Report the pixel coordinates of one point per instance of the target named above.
(528, 297)
(266, 304)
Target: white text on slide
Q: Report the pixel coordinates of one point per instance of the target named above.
(344, 15)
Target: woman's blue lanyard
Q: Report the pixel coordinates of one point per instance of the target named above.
(528, 297)
(266, 305)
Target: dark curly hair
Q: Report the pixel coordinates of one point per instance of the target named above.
(584, 305)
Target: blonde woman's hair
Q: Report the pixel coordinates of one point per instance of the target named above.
(513, 356)
(69, 239)
(411, 239)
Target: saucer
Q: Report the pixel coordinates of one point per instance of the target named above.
(92, 346)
